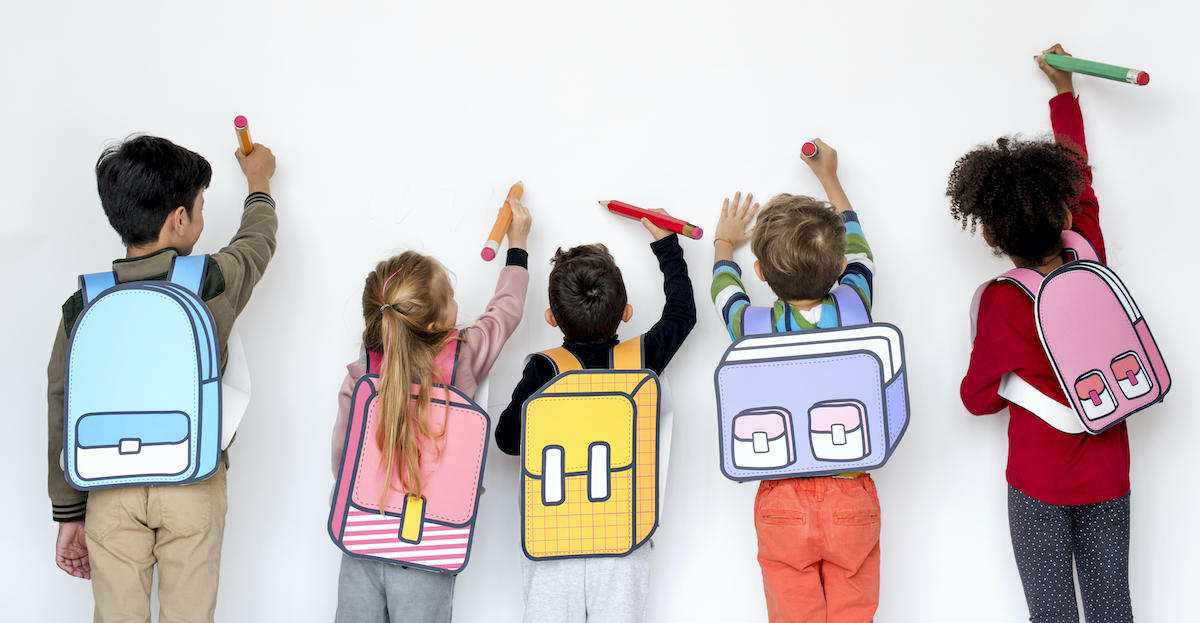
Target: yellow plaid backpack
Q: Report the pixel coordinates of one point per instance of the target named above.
(589, 457)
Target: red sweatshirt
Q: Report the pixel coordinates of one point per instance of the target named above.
(1043, 462)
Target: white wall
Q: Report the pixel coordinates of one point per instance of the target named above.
(401, 125)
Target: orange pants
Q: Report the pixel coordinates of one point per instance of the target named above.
(818, 546)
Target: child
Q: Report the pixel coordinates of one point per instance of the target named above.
(1068, 495)
(153, 194)
(410, 312)
(818, 538)
(588, 302)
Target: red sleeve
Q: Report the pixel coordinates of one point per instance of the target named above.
(1067, 121)
(1006, 340)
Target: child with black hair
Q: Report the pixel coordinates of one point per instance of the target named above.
(1068, 494)
(588, 302)
(153, 194)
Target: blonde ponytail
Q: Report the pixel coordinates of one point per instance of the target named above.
(402, 301)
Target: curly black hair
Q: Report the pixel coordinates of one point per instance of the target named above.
(587, 293)
(1016, 190)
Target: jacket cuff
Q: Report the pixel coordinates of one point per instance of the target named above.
(63, 513)
(517, 257)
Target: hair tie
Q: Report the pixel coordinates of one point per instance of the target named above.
(383, 307)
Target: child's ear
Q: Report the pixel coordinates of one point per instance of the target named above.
(987, 238)
(845, 263)
(550, 318)
(1070, 220)
(628, 313)
(758, 271)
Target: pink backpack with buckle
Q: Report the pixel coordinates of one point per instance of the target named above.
(432, 532)
(1098, 343)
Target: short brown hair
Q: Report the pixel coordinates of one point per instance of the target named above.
(587, 293)
(800, 243)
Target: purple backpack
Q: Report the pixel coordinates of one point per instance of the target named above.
(811, 403)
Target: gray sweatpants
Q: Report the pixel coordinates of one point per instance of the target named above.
(592, 590)
(378, 592)
(1047, 537)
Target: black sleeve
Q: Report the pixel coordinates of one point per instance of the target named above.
(508, 429)
(679, 311)
(517, 257)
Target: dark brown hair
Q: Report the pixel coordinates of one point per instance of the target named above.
(587, 293)
(1019, 192)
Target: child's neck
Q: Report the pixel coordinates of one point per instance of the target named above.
(1049, 265)
(142, 250)
(805, 304)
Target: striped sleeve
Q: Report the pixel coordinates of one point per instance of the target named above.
(729, 296)
(860, 264)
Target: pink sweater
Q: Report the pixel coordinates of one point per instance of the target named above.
(482, 342)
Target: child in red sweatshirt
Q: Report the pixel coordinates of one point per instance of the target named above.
(1068, 495)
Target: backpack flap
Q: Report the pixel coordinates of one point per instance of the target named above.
(587, 446)
(451, 464)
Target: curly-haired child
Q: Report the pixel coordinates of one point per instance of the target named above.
(1068, 495)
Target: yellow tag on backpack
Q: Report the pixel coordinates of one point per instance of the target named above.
(589, 458)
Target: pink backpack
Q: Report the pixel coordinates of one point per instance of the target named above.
(432, 532)
(1098, 343)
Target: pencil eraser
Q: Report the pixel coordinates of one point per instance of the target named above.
(240, 122)
(809, 149)
(1143, 78)
(488, 254)
(697, 233)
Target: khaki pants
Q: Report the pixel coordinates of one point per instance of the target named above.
(179, 528)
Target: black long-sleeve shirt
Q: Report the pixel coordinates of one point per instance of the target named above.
(659, 343)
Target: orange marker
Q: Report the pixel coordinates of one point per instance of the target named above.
(242, 127)
(503, 220)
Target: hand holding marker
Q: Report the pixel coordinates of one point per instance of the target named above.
(242, 127)
(1100, 70)
(809, 150)
(503, 220)
(668, 223)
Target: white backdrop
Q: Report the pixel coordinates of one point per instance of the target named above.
(401, 125)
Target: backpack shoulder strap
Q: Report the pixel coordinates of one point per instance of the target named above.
(1075, 242)
(628, 355)
(850, 307)
(1018, 391)
(95, 283)
(1028, 279)
(757, 321)
(187, 271)
(561, 359)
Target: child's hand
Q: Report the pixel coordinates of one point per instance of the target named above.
(258, 167)
(824, 164)
(1060, 79)
(736, 221)
(70, 551)
(518, 229)
(656, 231)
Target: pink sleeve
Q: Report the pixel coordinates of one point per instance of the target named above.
(338, 439)
(491, 330)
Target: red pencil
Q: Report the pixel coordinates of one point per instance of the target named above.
(668, 223)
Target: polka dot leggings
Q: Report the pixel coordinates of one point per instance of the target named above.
(1046, 537)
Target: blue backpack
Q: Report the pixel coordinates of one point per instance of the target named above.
(143, 383)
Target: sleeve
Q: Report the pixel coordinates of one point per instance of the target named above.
(663, 339)
(66, 503)
(508, 430)
(729, 296)
(345, 395)
(1005, 341)
(245, 259)
(486, 338)
(1066, 119)
(860, 263)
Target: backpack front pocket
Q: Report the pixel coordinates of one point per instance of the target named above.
(762, 439)
(838, 430)
(112, 445)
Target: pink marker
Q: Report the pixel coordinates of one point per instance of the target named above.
(242, 127)
(809, 150)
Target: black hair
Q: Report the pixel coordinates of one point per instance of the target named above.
(587, 293)
(1019, 191)
(142, 180)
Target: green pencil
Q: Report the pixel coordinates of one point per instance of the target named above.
(1100, 70)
